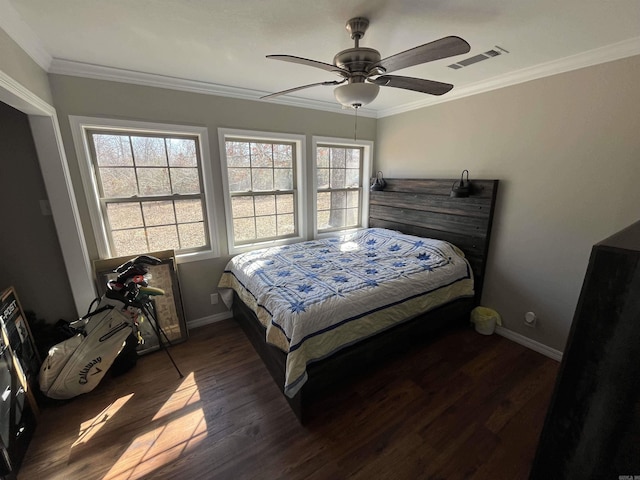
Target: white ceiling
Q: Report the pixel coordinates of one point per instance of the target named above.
(220, 46)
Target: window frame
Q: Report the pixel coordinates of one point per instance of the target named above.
(365, 168)
(81, 127)
(299, 191)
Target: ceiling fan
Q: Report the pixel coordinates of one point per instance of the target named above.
(365, 72)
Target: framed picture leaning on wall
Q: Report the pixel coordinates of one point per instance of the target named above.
(169, 311)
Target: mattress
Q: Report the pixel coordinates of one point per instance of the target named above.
(317, 297)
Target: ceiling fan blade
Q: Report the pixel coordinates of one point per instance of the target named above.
(311, 63)
(284, 92)
(443, 48)
(416, 84)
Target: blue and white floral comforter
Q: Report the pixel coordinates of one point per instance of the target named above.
(317, 297)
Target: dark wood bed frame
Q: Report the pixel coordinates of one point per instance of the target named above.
(420, 207)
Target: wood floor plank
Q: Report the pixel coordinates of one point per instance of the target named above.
(462, 405)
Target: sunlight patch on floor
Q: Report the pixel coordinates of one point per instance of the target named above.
(170, 439)
(186, 394)
(89, 428)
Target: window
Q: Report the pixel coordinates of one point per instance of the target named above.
(342, 171)
(148, 188)
(262, 174)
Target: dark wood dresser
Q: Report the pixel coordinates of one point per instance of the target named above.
(592, 429)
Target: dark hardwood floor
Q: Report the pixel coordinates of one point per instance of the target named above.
(461, 406)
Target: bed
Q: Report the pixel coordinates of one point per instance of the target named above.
(321, 311)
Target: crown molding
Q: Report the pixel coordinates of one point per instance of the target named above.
(21, 33)
(17, 96)
(11, 22)
(609, 53)
(99, 72)
(616, 51)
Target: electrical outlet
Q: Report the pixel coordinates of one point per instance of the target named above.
(530, 319)
(214, 298)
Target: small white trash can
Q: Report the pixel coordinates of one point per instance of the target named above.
(485, 319)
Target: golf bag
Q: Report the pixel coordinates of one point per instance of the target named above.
(76, 365)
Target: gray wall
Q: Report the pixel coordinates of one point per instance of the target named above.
(19, 66)
(30, 256)
(566, 149)
(86, 97)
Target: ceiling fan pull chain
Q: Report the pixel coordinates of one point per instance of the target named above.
(355, 128)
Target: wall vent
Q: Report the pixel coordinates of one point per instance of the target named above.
(478, 58)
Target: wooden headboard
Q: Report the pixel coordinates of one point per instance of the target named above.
(424, 207)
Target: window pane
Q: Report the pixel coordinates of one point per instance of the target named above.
(266, 227)
(352, 177)
(239, 179)
(353, 158)
(270, 169)
(244, 229)
(163, 238)
(192, 235)
(283, 156)
(149, 151)
(134, 164)
(242, 207)
(185, 180)
(262, 179)
(352, 217)
(353, 199)
(338, 200)
(323, 177)
(337, 178)
(262, 155)
(118, 182)
(284, 203)
(336, 218)
(158, 213)
(322, 157)
(124, 215)
(323, 219)
(129, 242)
(238, 154)
(182, 152)
(338, 169)
(324, 200)
(188, 211)
(283, 179)
(265, 205)
(113, 150)
(154, 181)
(286, 224)
(338, 158)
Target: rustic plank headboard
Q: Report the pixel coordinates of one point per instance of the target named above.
(424, 207)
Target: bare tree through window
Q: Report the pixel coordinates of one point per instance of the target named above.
(339, 172)
(262, 187)
(151, 191)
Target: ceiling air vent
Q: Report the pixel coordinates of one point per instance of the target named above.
(478, 58)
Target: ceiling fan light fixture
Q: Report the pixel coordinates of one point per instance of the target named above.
(356, 94)
(359, 65)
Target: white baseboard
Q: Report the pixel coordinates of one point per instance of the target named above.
(532, 344)
(201, 322)
(503, 332)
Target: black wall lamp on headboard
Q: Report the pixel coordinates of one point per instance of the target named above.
(379, 183)
(462, 189)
